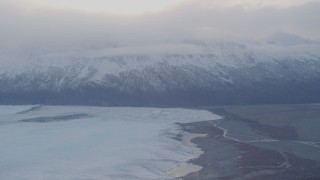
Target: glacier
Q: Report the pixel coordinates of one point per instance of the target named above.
(107, 143)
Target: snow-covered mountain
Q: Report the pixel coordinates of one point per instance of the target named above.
(189, 73)
(285, 39)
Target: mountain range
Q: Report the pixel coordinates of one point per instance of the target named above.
(281, 69)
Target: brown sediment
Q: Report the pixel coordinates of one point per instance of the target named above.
(226, 158)
(187, 168)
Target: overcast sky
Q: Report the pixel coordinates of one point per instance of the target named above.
(57, 23)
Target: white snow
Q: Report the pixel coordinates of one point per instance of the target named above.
(285, 39)
(111, 143)
(93, 65)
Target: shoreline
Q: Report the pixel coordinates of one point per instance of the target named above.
(230, 156)
(187, 167)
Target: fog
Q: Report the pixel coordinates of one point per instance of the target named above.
(29, 27)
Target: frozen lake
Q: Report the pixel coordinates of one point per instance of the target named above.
(68, 142)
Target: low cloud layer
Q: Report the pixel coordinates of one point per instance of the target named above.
(29, 27)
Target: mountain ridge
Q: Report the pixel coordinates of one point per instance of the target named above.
(223, 73)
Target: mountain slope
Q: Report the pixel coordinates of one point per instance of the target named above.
(220, 73)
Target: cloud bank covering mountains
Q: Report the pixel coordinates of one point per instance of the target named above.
(31, 28)
(194, 53)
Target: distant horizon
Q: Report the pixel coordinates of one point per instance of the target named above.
(139, 7)
(29, 23)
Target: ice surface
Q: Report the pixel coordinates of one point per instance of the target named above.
(109, 143)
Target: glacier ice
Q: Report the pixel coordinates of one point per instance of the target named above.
(109, 143)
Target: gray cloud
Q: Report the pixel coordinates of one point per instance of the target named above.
(32, 28)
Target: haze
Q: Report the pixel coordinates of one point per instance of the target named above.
(30, 25)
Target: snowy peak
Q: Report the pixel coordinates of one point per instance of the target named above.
(286, 39)
(194, 73)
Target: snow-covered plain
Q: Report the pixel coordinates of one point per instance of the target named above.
(60, 142)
